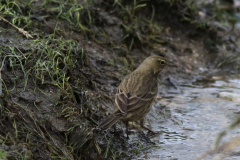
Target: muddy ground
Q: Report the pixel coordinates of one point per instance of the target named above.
(58, 85)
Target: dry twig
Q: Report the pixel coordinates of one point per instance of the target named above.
(25, 33)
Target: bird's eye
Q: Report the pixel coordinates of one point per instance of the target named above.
(162, 62)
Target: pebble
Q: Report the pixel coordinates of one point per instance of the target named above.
(230, 96)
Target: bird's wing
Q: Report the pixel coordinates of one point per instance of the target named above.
(121, 100)
(127, 102)
(140, 100)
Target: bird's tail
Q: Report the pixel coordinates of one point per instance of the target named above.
(106, 124)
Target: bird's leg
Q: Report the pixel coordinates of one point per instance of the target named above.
(126, 122)
(142, 125)
(115, 128)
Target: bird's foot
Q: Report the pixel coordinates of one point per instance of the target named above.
(149, 130)
(122, 135)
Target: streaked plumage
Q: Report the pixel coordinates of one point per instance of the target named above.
(136, 92)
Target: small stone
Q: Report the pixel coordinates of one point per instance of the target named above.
(230, 96)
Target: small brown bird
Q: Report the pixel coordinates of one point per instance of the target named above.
(136, 93)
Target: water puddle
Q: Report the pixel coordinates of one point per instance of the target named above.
(203, 117)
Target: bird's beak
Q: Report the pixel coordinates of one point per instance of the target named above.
(171, 64)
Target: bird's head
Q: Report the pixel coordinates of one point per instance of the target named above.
(155, 63)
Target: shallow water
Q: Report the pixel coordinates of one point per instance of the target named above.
(203, 117)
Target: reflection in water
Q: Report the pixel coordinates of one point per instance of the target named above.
(203, 116)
